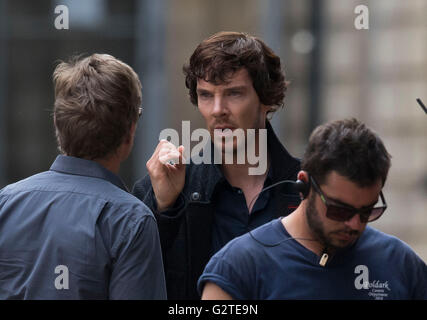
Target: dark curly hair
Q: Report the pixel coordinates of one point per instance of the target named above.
(218, 57)
(349, 148)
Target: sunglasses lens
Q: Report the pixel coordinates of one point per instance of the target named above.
(338, 214)
(341, 214)
(376, 213)
(366, 216)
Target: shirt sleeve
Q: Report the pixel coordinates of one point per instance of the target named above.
(419, 271)
(229, 270)
(138, 270)
(143, 190)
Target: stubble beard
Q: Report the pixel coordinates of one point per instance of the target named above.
(316, 225)
(317, 228)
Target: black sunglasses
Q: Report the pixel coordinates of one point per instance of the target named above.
(344, 212)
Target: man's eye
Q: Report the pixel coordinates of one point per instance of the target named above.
(204, 95)
(235, 93)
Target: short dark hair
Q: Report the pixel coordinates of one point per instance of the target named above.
(97, 99)
(349, 148)
(222, 54)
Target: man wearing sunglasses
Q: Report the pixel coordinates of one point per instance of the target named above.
(324, 249)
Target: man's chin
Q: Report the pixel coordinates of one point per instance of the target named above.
(228, 147)
(342, 243)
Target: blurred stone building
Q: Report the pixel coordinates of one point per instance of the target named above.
(376, 75)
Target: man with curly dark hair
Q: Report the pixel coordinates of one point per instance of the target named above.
(235, 80)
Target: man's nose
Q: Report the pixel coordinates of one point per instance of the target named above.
(219, 106)
(354, 223)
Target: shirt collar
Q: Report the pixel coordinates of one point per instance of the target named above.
(83, 167)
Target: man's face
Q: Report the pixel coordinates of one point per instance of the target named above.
(336, 234)
(231, 105)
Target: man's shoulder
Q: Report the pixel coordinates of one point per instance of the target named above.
(51, 182)
(253, 242)
(25, 184)
(392, 246)
(237, 265)
(378, 237)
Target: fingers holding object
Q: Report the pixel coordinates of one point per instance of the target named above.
(169, 154)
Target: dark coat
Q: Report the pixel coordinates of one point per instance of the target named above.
(186, 230)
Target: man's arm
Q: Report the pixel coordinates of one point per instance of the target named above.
(138, 272)
(144, 191)
(227, 276)
(161, 190)
(169, 221)
(213, 292)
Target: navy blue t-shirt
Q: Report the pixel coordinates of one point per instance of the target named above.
(377, 266)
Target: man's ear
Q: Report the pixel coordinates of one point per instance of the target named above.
(267, 109)
(303, 176)
(125, 148)
(131, 134)
(302, 185)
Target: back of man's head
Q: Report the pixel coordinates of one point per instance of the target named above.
(216, 58)
(97, 100)
(349, 148)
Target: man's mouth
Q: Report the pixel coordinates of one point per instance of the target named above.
(223, 127)
(223, 130)
(347, 236)
(343, 236)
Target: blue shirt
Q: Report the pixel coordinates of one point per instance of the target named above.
(232, 217)
(377, 266)
(74, 232)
